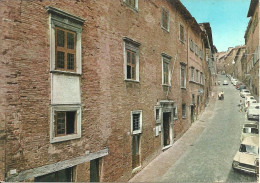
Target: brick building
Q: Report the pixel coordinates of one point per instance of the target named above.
(252, 49)
(95, 92)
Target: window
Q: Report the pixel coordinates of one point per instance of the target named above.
(65, 41)
(135, 151)
(193, 99)
(65, 49)
(131, 60)
(132, 4)
(183, 110)
(197, 76)
(166, 71)
(191, 45)
(192, 74)
(165, 19)
(157, 114)
(182, 33)
(196, 50)
(175, 111)
(136, 122)
(201, 78)
(65, 175)
(183, 76)
(65, 123)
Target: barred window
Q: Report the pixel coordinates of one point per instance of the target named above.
(136, 122)
(183, 110)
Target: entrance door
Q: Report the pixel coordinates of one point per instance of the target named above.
(94, 170)
(166, 128)
(135, 151)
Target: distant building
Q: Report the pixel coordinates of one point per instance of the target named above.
(252, 49)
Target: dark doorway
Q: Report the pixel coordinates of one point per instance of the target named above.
(94, 170)
(166, 128)
(192, 113)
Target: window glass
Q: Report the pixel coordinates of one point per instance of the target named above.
(136, 122)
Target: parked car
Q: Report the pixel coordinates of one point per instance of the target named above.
(243, 92)
(247, 94)
(253, 112)
(225, 82)
(235, 82)
(247, 98)
(246, 156)
(242, 87)
(249, 129)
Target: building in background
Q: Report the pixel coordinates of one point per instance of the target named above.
(251, 58)
(87, 94)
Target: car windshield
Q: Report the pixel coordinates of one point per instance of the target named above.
(249, 149)
(250, 130)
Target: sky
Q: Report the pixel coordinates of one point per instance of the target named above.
(227, 18)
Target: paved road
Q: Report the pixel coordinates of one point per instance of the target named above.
(210, 158)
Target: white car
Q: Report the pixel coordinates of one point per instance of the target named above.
(235, 82)
(246, 157)
(225, 82)
(253, 112)
(243, 91)
(247, 99)
(249, 129)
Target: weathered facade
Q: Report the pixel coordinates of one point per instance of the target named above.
(251, 58)
(96, 91)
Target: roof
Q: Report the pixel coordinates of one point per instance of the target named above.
(252, 8)
(251, 140)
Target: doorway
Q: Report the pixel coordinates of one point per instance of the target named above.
(94, 170)
(192, 113)
(166, 128)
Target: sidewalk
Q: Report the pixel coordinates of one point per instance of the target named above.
(159, 166)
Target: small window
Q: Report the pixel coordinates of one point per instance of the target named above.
(183, 110)
(132, 3)
(191, 45)
(175, 111)
(183, 76)
(65, 175)
(65, 122)
(166, 71)
(165, 19)
(136, 122)
(182, 33)
(193, 99)
(157, 114)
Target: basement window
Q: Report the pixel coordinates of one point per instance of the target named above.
(65, 175)
(183, 110)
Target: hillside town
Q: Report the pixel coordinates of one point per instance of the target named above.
(117, 91)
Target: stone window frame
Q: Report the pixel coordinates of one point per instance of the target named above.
(183, 67)
(132, 46)
(135, 7)
(65, 108)
(61, 19)
(166, 59)
(175, 112)
(182, 40)
(163, 9)
(134, 132)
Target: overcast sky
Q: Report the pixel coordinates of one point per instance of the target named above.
(227, 18)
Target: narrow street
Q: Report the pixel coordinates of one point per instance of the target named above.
(209, 159)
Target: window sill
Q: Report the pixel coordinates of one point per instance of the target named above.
(167, 30)
(130, 80)
(183, 88)
(65, 138)
(136, 169)
(65, 72)
(166, 85)
(184, 117)
(182, 41)
(132, 8)
(166, 147)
